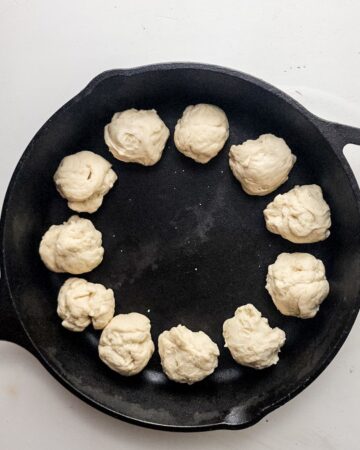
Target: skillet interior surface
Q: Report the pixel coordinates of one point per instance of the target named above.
(183, 244)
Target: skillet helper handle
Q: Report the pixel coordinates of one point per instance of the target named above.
(10, 327)
(340, 134)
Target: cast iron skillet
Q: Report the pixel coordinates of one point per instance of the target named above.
(183, 244)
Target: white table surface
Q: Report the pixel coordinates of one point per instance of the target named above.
(48, 51)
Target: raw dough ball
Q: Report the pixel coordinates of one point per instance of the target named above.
(81, 302)
(201, 132)
(74, 247)
(297, 284)
(83, 179)
(187, 356)
(261, 165)
(250, 339)
(125, 343)
(136, 136)
(300, 216)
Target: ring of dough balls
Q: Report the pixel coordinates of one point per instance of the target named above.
(125, 343)
(81, 303)
(250, 339)
(297, 284)
(83, 179)
(300, 216)
(74, 247)
(137, 136)
(187, 356)
(261, 165)
(201, 132)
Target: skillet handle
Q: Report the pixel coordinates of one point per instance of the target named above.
(340, 134)
(10, 327)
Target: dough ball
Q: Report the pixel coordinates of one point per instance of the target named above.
(83, 179)
(301, 215)
(201, 132)
(250, 339)
(297, 284)
(137, 136)
(81, 302)
(73, 247)
(261, 165)
(125, 343)
(187, 356)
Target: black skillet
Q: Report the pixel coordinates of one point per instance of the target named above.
(183, 244)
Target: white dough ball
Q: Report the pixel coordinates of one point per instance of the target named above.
(300, 216)
(187, 356)
(83, 179)
(74, 247)
(250, 339)
(81, 302)
(297, 284)
(125, 343)
(137, 136)
(261, 165)
(201, 132)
